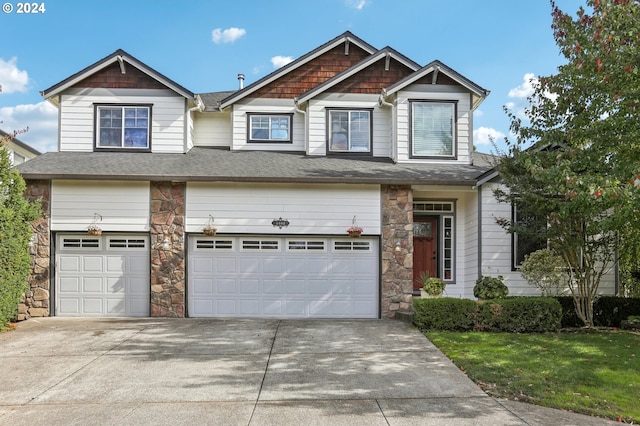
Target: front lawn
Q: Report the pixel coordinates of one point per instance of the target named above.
(590, 372)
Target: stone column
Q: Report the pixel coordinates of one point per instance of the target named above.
(397, 250)
(167, 258)
(37, 297)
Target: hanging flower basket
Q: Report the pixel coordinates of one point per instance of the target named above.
(209, 231)
(94, 230)
(355, 231)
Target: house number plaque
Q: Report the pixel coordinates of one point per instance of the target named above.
(280, 223)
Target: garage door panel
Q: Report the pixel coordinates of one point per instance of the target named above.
(92, 285)
(226, 286)
(69, 264)
(92, 306)
(92, 264)
(279, 277)
(102, 276)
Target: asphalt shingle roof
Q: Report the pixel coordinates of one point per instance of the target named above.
(213, 164)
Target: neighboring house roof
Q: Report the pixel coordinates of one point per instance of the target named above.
(437, 67)
(221, 165)
(19, 143)
(383, 54)
(211, 101)
(122, 58)
(344, 37)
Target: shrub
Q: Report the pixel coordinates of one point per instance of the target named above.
(545, 270)
(610, 311)
(490, 288)
(16, 213)
(446, 314)
(519, 315)
(432, 285)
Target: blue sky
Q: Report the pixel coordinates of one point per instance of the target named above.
(203, 45)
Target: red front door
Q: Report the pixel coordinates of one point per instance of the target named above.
(425, 248)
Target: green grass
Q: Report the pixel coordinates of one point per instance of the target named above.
(596, 373)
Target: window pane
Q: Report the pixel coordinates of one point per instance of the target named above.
(432, 129)
(136, 138)
(110, 137)
(280, 128)
(359, 127)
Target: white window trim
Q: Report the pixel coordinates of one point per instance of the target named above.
(330, 132)
(454, 137)
(122, 146)
(251, 116)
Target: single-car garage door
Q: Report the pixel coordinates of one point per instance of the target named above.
(283, 277)
(102, 276)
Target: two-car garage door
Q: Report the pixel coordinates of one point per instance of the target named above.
(236, 276)
(283, 277)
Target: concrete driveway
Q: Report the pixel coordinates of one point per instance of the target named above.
(59, 371)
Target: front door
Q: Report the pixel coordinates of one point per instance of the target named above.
(425, 248)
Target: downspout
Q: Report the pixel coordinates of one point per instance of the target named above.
(479, 248)
(383, 103)
(198, 107)
(304, 120)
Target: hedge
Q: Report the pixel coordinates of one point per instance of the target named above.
(514, 314)
(519, 315)
(608, 311)
(444, 314)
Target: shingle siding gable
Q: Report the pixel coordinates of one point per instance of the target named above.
(373, 79)
(112, 78)
(313, 73)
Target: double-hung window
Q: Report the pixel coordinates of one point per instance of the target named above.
(269, 128)
(349, 131)
(123, 127)
(433, 129)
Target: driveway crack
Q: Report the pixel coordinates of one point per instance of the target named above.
(264, 376)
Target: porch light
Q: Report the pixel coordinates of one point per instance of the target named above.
(166, 242)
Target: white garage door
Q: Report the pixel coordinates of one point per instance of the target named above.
(283, 277)
(102, 276)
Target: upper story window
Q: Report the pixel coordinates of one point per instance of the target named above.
(269, 128)
(350, 131)
(123, 127)
(433, 129)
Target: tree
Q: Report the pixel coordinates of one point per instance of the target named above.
(16, 215)
(575, 161)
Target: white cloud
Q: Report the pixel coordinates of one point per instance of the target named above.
(486, 136)
(526, 88)
(280, 61)
(227, 36)
(11, 78)
(356, 4)
(40, 118)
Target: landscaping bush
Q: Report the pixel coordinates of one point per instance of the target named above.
(445, 314)
(569, 317)
(608, 311)
(519, 315)
(490, 288)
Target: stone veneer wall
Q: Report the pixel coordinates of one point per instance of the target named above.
(36, 298)
(167, 265)
(397, 260)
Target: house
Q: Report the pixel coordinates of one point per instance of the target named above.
(19, 152)
(346, 135)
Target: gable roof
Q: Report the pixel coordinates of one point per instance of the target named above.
(19, 143)
(346, 37)
(437, 67)
(122, 58)
(385, 53)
